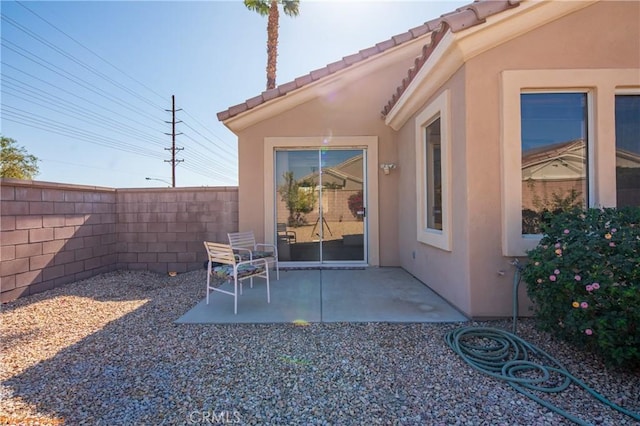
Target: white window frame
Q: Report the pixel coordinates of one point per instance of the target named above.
(439, 108)
(590, 148)
(602, 86)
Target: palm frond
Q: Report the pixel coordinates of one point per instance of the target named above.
(291, 7)
(260, 6)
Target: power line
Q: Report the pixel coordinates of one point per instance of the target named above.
(51, 100)
(91, 51)
(196, 161)
(76, 114)
(13, 84)
(72, 133)
(222, 147)
(88, 137)
(68, 92)
(72, 78)
(27, 115)
(208, 161)
(205, 127)
(77, 61)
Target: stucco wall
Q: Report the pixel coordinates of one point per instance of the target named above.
(352, 110)
(568, 43)
(54, 234)
(445, 272)
(476, 276)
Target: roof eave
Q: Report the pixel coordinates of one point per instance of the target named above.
(321, 86)
(457, 48)
(440, 65)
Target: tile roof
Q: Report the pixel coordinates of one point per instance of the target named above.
(457, 20)
(461, 19)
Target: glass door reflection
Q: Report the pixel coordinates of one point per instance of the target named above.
(321, 205)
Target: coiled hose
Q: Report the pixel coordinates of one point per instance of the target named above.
(505, 356)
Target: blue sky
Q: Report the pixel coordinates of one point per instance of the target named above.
(85, 85)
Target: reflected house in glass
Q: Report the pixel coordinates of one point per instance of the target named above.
(453, 212)
(323, 216)
(553, 178)
(627, 177)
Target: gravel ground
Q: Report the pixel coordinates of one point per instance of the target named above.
(106, 351)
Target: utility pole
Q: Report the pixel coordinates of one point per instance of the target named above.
(173, 134)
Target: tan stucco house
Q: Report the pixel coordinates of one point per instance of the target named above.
(428, 150)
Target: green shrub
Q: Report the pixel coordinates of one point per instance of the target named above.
(584, 279)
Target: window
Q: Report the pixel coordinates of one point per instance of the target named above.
(554, 155)
(543, 107)
(627, 150)
(433, 174)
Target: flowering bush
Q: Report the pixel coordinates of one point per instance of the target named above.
(355, 204)
(584, 279)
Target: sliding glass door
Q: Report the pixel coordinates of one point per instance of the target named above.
(320, 201)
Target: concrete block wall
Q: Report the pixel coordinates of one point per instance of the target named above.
(163, 229)
(52, 233)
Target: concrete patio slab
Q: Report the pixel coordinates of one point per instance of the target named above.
(381, 295)
(329, 295)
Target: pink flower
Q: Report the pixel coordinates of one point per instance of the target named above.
(566, 231)
(588, 332)
(595, 286)
(578, 277)
(557, 272)
(552, 277)
(584, 305)
(612, 244)
(614, 230)
(589, 287)
(558, 245)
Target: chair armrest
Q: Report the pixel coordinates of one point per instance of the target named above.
(240, 250)
(256, 262)
(273, 247)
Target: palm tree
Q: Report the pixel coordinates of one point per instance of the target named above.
(270, 8)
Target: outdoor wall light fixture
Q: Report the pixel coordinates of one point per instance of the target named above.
(387, 167)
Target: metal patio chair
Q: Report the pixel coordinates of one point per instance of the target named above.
(244, 244)
(230, 267)
(284, 233)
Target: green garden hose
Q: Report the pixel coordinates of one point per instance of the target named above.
(505, 356)
(516, 283)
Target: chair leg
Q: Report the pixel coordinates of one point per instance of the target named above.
(208, 280)
(235, 295)
(268, 292)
